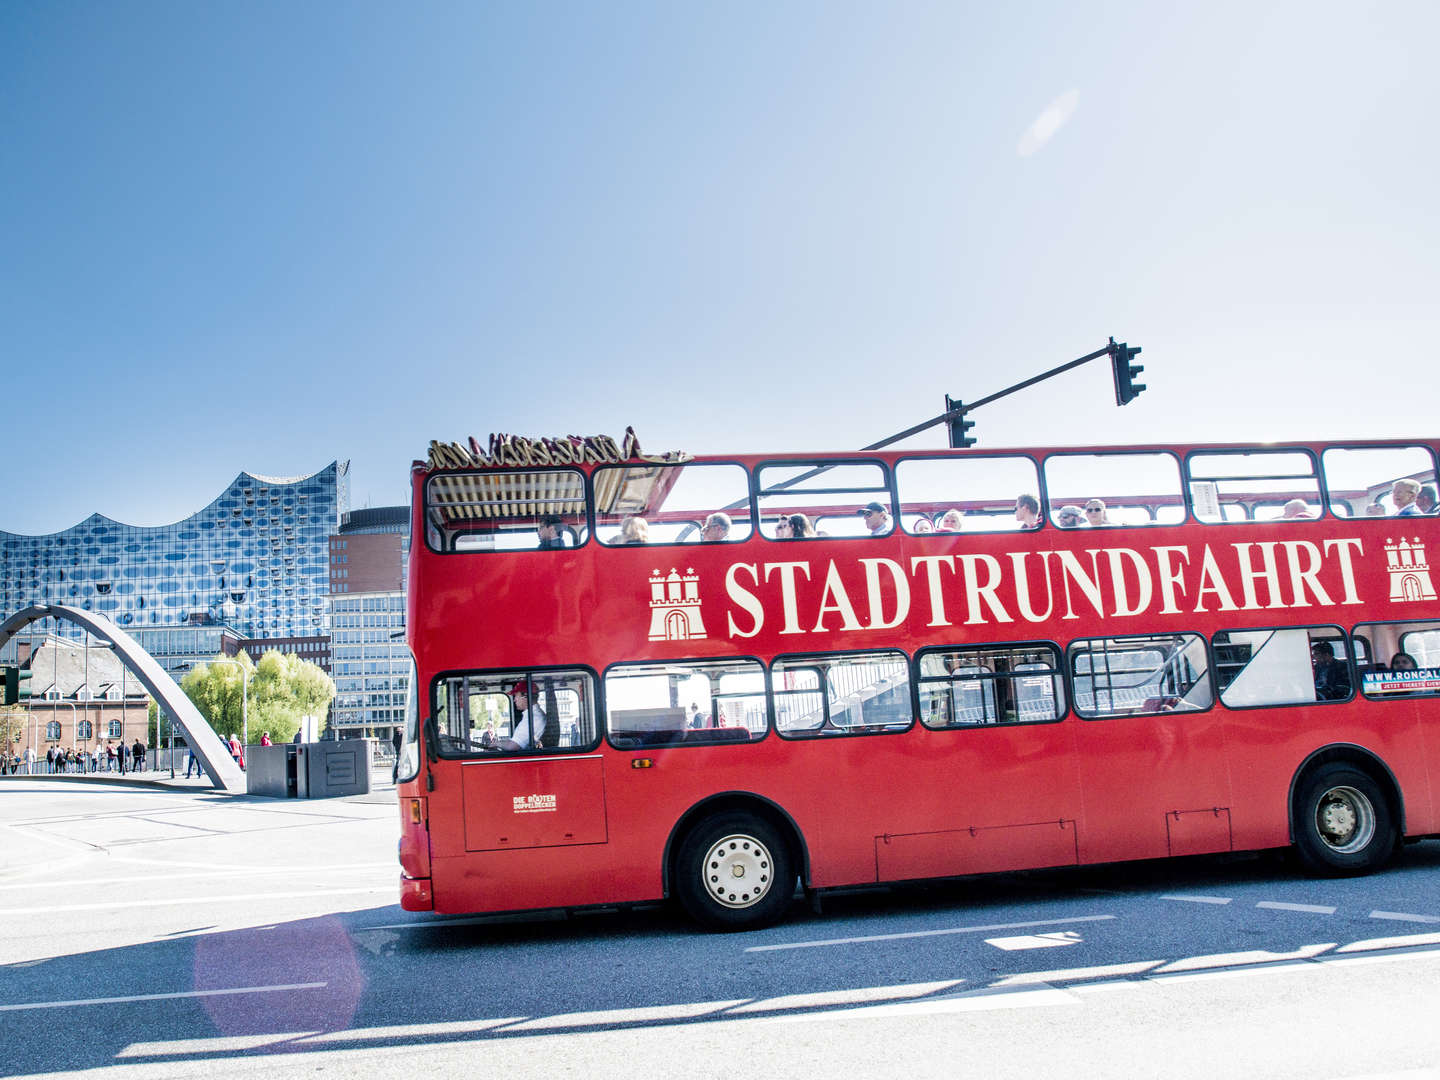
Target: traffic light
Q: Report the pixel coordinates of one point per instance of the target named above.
(1126, 388)
(15, 690)
(958, 425)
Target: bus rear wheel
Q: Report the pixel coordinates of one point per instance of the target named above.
(1343, 822)
(734, 872)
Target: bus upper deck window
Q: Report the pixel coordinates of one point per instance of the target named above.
(504, 510)
(672, 504)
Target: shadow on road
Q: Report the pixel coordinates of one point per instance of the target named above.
(382, 978)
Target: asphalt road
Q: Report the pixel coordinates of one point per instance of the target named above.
(178, 933)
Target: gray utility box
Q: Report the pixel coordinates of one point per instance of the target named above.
(317, 770)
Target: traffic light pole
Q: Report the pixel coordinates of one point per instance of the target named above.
(1118, 354)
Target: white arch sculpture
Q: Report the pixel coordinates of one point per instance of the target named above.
(212, 753)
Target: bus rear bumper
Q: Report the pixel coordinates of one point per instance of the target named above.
(415, 894)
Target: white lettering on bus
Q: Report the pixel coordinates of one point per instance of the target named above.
(1347, 571)
(1144, 588)
(1022, 587)
(1213, 581)
(746, 600)
(787, 591)
(901, 584)
(1172, 578)
(976, 592)
(932, 576)
(1089, 585)
(834, 599)
(1124, 584)
(1249, 575)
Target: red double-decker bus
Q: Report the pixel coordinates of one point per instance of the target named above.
(649, 676)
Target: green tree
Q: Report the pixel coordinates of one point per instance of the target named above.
(283, 688)
(12, 728)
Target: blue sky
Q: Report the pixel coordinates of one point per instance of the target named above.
(265, 235)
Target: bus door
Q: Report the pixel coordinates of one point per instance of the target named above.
(1151, 748)
(519, 786)
(534, 802)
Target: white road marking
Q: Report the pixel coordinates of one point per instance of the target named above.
(1197, 899)
(162, 997)
(1400, 916)
(220, 1044)
(238, 872)
(181, 900)
(1314, 909)
(1035, 941)
(1239, 959)
(974, 1001)
(1407, 942)
(927, 933)
(865, 995)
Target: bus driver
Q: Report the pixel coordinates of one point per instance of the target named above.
(529, 722)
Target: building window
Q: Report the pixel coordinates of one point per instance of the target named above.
(115, 729)
(52, 730)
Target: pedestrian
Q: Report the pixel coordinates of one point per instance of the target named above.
(139, 756)
(265, 739)
(109, 757)
(397, 738)
(30, 761)
(193, 765)
(122, 755)
(50, 759)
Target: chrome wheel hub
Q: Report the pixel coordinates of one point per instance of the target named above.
(738, 871)
(1345, 819)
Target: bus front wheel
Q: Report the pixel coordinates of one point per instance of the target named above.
(1343, 822)
(734, 872)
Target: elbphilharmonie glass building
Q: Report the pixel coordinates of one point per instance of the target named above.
(256, 559)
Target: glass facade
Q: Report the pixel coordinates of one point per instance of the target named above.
(370, 660)
(255, 559)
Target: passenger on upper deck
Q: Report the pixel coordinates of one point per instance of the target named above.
(1332, 677)
(951, 521)
(717, 527)
(1095, 512)
(800, 527)
(1296, 508)
(1426, 500)
(923, 525)
(877, 518)
(1403, 493)
(1403, 661)
(1027, 511)
(551, 531)
(634, 530)
(1070, 517)
(783, 530)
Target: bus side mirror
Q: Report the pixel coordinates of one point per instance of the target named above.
(432, 738)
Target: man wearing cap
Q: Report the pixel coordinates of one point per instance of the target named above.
(716, 527)
(551, 532)
(877, 518)
(529, 722)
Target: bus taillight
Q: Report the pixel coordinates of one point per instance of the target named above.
(414, 848)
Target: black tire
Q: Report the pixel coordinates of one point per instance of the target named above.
(1343, 822)
(734, 872)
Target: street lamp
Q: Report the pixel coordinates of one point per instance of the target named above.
(244, 699)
